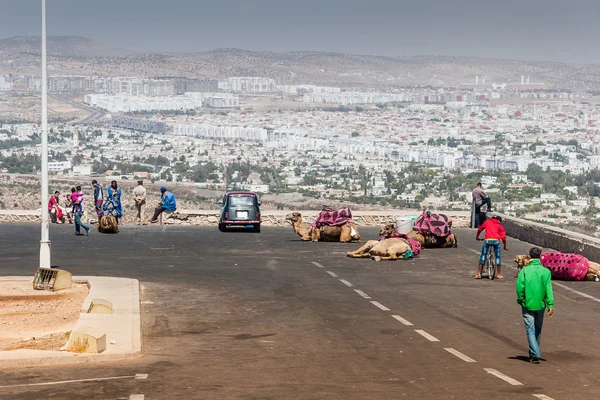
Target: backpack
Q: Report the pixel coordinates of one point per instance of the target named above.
(439, 225)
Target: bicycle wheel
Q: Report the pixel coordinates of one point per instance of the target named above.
(491, 262)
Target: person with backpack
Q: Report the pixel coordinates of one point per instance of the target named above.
(494, 233)
(534, 294)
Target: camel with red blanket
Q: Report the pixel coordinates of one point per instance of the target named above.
(565, 266)
(343, 233)
(431, 230)
(390, 246)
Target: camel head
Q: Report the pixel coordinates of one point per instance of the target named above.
(294, 217)
(522, 261)
(389, 229)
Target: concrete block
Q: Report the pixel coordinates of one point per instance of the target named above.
(64, 280)
(87, 340)
(100, 306)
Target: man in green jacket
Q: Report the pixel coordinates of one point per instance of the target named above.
(534, 294)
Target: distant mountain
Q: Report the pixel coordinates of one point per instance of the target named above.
(350, 69)
(61, 46)
(324, 68)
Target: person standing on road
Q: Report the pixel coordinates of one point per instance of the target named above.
(139, 196)
(167, 203)
(494, 233)
(480, 198)
(534, 294)
(114, 196)
(78, 204)
(98, 197)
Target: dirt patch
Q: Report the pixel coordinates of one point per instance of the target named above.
(37, 319)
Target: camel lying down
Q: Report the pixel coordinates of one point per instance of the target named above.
(382, 250)
(593, 273)
(344, 234)
(427, 241)
(108, 224)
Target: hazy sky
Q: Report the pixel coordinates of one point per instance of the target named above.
(557, 30)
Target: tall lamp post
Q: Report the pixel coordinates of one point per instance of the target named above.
(45, 239)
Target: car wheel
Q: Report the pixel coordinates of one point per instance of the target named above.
(257, 228)
(222, 227)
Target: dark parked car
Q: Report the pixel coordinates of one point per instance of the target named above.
(240, 209)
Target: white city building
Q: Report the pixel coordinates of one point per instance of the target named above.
(5, 84)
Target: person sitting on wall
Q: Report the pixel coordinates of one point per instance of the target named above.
(480, 199)
(167, 203)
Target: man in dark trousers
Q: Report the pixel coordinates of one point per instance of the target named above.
(534, 294)
(98, 197)
(480, 198)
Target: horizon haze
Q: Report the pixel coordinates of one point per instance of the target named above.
(538, 30)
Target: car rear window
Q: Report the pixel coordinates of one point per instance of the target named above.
(241, 200)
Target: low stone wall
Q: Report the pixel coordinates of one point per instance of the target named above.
(549, 237)
(277, 217)
(460, 219)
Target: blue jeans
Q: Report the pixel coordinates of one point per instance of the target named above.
(79, 224)
(533, 326)
(484, 250)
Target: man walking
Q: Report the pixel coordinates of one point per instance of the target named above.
(534, 294)
(167, 203)
(480, 198)
(98, 197)
(139, 196)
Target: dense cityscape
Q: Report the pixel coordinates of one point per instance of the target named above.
(535, 150)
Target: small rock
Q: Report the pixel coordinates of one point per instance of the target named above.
(113, 342)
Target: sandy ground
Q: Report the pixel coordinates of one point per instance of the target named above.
(37, 319)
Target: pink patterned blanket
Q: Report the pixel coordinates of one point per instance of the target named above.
(566, 266)
(331, 217)
(439, 225)
(415, 245)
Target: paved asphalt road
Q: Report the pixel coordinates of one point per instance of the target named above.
(265, 316)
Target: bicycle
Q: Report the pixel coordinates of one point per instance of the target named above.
(490, 261)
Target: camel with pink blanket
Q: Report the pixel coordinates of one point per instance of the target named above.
(565, 266)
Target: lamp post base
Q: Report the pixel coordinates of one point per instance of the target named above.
(45, 254)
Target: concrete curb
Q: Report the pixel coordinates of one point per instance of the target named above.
(122, 327)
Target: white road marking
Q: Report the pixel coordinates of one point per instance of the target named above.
(70, 381)
(345, 282)
(363, 294)
(399, 318)
(136, 397)
(317, 264)
(427, 335)
(380, 306)
(587, 296)
(332, 274)
(500, 375)
(542, 397)
(460, 355)
(141, 376)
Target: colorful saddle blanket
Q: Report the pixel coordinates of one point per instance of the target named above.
(415, 245)
(566, 266)
(332, 217)
(439, 225)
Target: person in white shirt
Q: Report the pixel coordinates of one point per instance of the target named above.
(139, 196)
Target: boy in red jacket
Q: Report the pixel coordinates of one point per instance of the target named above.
(494, 233)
